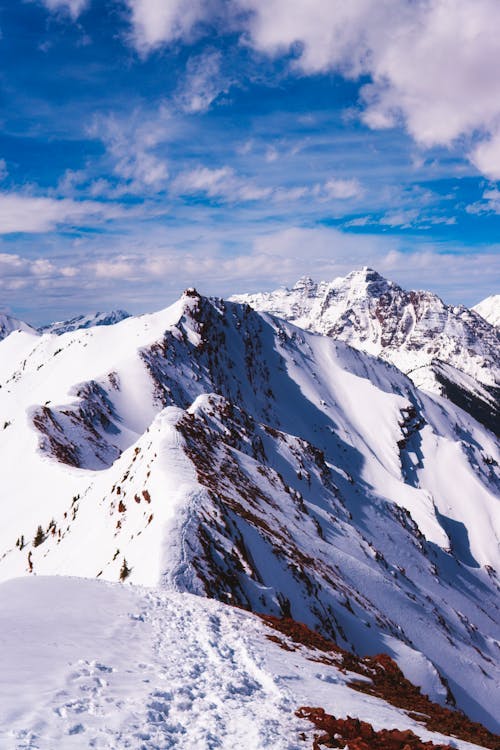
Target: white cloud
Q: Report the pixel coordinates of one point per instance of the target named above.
(31, 214)
(160, 264)
(486, 156)
(221, 183)
(403, 218)
(342, 189)
(73, 7)
(132, 146)
(203, 83)
(326, 252)
(225, 184)
(155, 22)
(271, 154)
(434, 64)
(489, 204)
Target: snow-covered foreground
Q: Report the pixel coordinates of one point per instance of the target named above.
(89, 664)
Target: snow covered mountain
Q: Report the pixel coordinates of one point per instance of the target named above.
(9, 324)
(225, 453)
(448, 350)
(85, 321)
(489, 309)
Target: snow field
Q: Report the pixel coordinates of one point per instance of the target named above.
(88, 664)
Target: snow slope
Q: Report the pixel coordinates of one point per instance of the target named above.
(415, 331)
(229, 454)
(199, 675)
(489, 309)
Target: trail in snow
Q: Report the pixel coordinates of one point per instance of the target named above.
(87, 664)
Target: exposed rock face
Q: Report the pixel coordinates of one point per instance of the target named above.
(448, 350)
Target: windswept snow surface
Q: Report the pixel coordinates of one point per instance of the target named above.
(88, 664)
(489, 309)
(226, 453)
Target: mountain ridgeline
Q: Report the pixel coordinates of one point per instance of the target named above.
(222, 451)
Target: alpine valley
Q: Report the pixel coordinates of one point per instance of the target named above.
(293, 483)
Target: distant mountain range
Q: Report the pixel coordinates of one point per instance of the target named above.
(214, 449)
(9, 324)
(85, 321)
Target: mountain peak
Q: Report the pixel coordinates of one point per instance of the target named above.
(191, 292)
(367, 276)
(8, 325)
(415, 331)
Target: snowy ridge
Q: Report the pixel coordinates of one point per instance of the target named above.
(415, 331)
(225, 453)
(85, 321)
(489, 309)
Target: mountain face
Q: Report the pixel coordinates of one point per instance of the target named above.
(8, 325)
(489, 309)
(447, 350)
(85, 321)
(222, 452)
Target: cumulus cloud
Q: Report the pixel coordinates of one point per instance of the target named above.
(486, 156)
(17, 272)
(434, 64)
(155, 22)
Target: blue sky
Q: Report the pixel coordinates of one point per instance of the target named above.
(236, 145)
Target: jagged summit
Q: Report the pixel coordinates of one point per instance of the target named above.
(365, 273)
(305, 283)
(448, 350)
